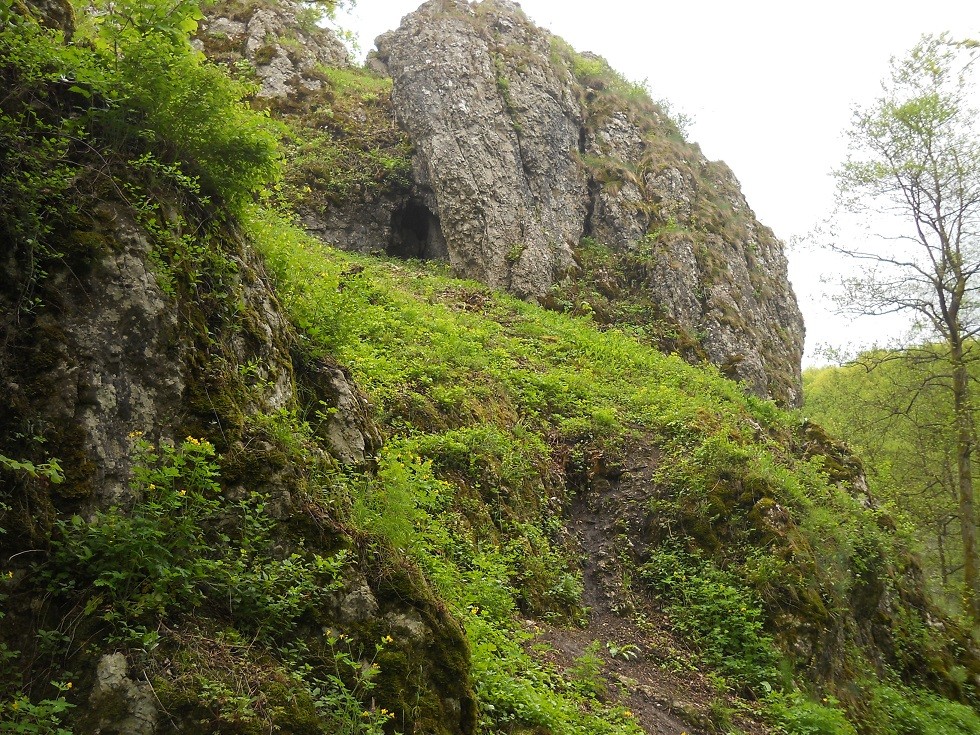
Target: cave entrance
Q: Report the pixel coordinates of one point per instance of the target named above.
(416, 234)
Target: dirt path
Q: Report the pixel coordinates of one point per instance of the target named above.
(656, 680)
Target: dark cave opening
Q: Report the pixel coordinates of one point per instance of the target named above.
(415, 233)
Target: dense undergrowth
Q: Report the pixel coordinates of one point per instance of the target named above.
(221, 591)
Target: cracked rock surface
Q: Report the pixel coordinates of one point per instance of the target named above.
(523, 150)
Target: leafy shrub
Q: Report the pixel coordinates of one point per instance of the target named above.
(586, 673)
(389, 506)
(50, 470)
(37, 130)
(898, 710)
(82, 119)
(165, 553)
(795, 714)
(174, 100)
(142, 562)
(45, 717)
(718, 614)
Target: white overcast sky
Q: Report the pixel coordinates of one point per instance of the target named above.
(770, 85)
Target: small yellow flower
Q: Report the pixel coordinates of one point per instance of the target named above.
(16, 704)
(152, 486)
(182, 493)
(68, 685)
(627, 713)
(386, 639)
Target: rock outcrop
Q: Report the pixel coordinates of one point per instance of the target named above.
(495, 149)
(522, 148)
(523, 152)
(116, 343)
(282, 42)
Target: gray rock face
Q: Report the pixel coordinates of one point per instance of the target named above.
(115, 357)
(281, 41)
(523, 147)
(114, 361)
(347, 428)
(122, 706)
(122, 376)
(496, 154)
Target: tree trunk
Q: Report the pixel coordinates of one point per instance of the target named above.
(964, 468)
(940, 542)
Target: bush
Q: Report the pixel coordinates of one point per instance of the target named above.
(898, 710)
(164, 555)
(166, 94)
(795, 714)
(718, 614)
(192, 112)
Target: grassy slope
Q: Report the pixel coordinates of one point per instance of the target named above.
(486, 400)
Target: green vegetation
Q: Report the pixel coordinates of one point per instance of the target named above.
(21, 715)
(719, 614)
(915, 158)
(893, 409)
(612, 290)
(172, 552)
(341, 145)
(127, 106)
(206, 590)
(225, 571)
(764, 533)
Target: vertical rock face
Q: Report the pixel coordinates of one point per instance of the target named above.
(282, 42)
(496, 154)
(523, 148)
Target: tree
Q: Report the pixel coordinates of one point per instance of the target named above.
(896, 416)
(915, 159)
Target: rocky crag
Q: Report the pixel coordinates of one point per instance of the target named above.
(523, 149)
(527, 159)
(282, 43)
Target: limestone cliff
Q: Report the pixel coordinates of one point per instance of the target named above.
(523, 148)
(495, 148)
(527, 159)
